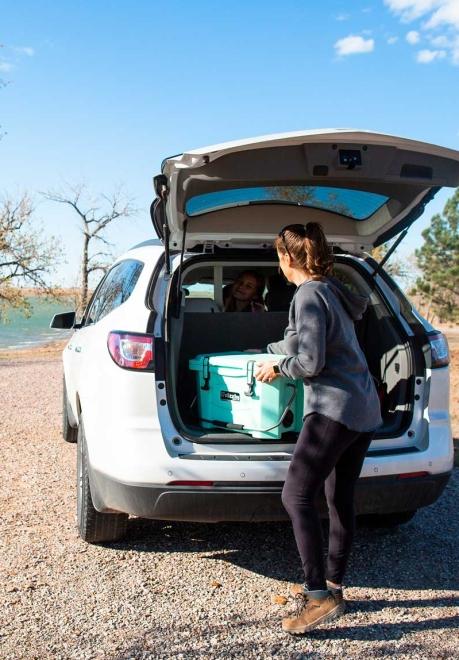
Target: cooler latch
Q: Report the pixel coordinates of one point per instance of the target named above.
(250, 391)
(205, 373)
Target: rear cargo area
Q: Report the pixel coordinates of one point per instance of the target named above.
(199, 326)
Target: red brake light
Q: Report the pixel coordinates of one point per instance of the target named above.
(131, 350)
(439, 349)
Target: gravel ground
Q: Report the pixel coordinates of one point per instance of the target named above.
(192, 590)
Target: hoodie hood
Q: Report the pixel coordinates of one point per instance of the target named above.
(354, 303)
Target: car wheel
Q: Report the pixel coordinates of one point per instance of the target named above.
(93, 526)
(387, 519)
(69, 433)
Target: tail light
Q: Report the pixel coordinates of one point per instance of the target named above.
(439, 349)
(131, 350)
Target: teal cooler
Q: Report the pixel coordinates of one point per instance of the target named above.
(229, 397)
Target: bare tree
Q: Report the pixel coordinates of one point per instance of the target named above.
(26, 258)
(94, 217)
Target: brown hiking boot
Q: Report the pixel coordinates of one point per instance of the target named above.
(298, 588)
(311, 612)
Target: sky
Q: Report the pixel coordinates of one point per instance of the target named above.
(101, 91)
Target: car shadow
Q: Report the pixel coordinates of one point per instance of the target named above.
(421, 554)
(401, 558)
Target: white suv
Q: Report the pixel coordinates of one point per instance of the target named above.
(129, 396)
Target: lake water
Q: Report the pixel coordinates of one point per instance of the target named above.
(22, 332)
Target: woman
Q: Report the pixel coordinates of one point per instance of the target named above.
(341, 412)
(245, 294)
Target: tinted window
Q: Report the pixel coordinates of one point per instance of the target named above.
(115, 289)
(355, 204)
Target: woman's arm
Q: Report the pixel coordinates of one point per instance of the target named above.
(311, 329)
(286, 346)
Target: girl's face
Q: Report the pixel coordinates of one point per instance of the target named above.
(245, 288)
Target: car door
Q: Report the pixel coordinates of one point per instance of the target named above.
(75, 349)
(91, 344)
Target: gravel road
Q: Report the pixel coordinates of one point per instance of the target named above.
(192, 590)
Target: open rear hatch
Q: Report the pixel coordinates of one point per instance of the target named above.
(363, 187)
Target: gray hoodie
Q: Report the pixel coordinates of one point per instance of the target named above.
(322, 348)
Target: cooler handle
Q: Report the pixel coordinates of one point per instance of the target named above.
(250, 391)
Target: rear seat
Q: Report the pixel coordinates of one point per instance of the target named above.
(201, 305)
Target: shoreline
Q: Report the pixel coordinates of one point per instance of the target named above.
(48, 350)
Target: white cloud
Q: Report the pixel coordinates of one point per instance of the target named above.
(353, 45)
(26, 50)
(443, 12)
(409, 10)
(392, 40)
(446, 14)
(5, 67)
(412, 37)
(426, 56)
(342, 17)
(440, 42)
(432, 15)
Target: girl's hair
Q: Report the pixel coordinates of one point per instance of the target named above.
(308, 247)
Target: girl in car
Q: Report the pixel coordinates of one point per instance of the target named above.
(341, 412)
(245, 294)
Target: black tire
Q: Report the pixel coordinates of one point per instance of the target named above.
(93, 526)
(387, 519)
(69, 433)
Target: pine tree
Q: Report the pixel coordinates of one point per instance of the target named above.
(438, 261)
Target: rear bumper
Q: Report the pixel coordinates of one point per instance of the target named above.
(256, 502)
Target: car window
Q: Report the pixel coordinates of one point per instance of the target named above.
(115, 289)
(355, 204)
(199, 290)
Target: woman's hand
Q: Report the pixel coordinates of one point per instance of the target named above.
(265, 372)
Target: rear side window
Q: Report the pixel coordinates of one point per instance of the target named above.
(115, 289)
(199, 290)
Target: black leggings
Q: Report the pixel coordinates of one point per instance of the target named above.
(326, 453)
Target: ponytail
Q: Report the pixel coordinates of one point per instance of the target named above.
(308, 247)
